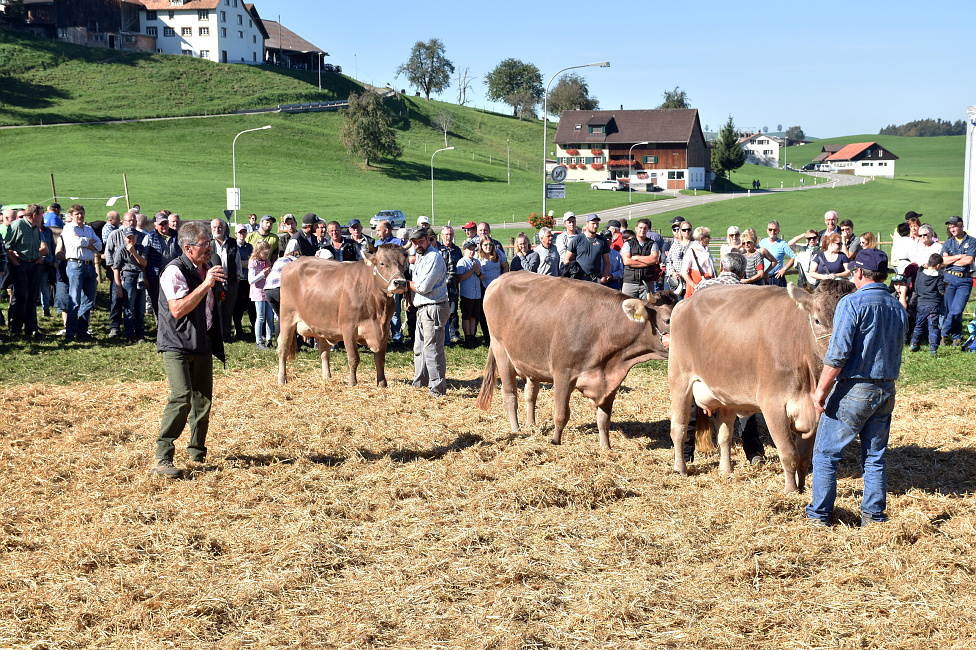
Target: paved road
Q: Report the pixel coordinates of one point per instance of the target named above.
(681, 201)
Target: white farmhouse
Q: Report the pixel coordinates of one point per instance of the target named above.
(863, 159)
(226, 31)
(760, 149)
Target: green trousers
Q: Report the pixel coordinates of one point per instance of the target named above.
(190, 378)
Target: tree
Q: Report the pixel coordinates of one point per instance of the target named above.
(765, 129)
(795, 133)
(571, 94)
(512, 82)
(463, 85)
(779, 128)
(707, 128)
(524, 103)
(365, 130)
(427, 68)
(727, 154)
(676, 98)
(443, 121)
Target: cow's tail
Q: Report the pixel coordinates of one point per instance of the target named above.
(288, 343)
(488, 382)
(703, 432)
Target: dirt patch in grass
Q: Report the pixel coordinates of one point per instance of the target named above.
(330, 516)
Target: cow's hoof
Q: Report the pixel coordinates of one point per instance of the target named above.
(554, 442)
(381, 384)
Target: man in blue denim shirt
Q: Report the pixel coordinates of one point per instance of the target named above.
(429, 285)
(864, 358)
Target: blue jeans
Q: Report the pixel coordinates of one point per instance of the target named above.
(396, 324)
(956, 296)
(265, 322)
(134, 307)
(853, 408)
(927, 317)
(82, 283)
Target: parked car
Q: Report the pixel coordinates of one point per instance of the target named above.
(809, 167)
(612, 185)
(396, 218)
(823, 168)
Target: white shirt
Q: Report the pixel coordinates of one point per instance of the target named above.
(76, 239)
(174, 286)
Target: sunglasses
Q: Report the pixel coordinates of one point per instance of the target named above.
(686, 230)
(772, 229)
(203, 243)
(814, 238)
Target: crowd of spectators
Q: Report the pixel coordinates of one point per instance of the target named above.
(54, 263)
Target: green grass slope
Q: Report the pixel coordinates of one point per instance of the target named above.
(46, 81)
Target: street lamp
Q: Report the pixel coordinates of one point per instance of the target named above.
(545, 119)
(630, 162)
(432, 180)
(233, 153)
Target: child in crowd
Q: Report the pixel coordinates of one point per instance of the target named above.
(929, 286)
(469, 279)
(257, 274)
(130, 262)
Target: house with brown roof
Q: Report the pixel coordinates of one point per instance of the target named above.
(285, 47)
(596, 145)
(226, 31)
(112, 24)
(863, 159)
(760, 149)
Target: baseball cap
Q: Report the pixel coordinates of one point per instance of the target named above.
(161, 217)
(129, 231)
(871, 259)
(310, 219)
(240, 227)
(470, 224)
(613, 223)
(288, 216)
(677, 220)
(418, 233)
(268, 217)
(354, 222)
(422, 219)
(912, 213)
(593, 217)
(953, 221)
(569, 215)
(470, 243)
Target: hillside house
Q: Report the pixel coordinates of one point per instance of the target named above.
(112, 24)
(863, 159)
(827, 151)
(760, 149)
(285, 47)
(226, 31)
(596, 145)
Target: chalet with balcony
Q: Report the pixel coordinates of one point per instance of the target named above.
(863, 159)
(661, 147)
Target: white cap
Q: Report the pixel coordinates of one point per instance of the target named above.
(423, 220)
(568, 216)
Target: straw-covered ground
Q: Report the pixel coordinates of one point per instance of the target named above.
(330, 516)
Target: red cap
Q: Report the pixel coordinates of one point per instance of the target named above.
(470, 224)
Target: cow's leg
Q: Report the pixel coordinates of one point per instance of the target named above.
(782, 435)
(603, 411)
(804, 451)
(680, 415)
(324, 348)
(562, 388)
(726, 418)
(531, 395)
(379, 357)
(509, 383)
(286, 341)
(351, 343)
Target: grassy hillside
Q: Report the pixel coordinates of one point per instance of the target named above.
(46, 81)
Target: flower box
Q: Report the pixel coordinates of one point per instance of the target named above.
(596, 152)
(582, 165)
(572, 152)
(596, 166)
(571, 165)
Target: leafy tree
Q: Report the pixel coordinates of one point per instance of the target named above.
(779, 128)
(727, 154)
(676, 98)
(512, 82)
(926, 128)
(765, 129)
(427, 68)
(571, 94)
(365, 130)
(795, 133)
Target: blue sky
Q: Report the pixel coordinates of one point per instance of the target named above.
(833, 68)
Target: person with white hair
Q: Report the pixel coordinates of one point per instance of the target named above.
(697, 264)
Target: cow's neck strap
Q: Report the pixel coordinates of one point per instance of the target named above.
(818, 338)
(389, 282)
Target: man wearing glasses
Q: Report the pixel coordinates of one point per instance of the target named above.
(780, 250)
(188, 336)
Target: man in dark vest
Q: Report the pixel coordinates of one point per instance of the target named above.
(642, 257)
(188, 336)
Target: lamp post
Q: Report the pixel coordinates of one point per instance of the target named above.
(432, 180)
(630, 162)
(545, 119)
(233, 153)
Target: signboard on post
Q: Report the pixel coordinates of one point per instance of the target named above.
(555, 190)
(233, 198)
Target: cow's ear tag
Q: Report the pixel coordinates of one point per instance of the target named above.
(635, 310)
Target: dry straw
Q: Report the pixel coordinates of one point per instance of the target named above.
(340, 517)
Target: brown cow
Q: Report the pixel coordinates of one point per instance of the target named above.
(780, 337)
(577, 335)
(334, 301)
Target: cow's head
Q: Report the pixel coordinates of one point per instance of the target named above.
(656, 311)
(820, 306)
(389, 264)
